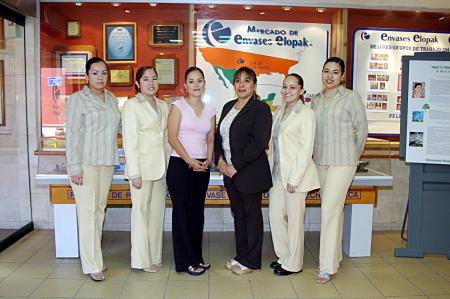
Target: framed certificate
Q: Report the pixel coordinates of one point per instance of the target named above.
(120, 75)
(165, 34)
(74, 63)
(167, 68)
(73, 29)
(119, 42)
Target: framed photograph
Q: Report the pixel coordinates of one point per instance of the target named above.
(165, 34)
(2, 94)
(74, 63)
(73, 29)
(119, 42)
(120, 75)
(167, 68)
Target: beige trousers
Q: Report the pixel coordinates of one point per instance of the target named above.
(91, 199)
(147, 220)
(334, 184)
(286, 215)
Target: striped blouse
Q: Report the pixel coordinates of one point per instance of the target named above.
(341, 129)
(91, 130)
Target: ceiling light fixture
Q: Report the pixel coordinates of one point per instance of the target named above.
(441, 18)
(211, 6)
(286, 8)
(115, 4)
(320, 9)
(78, 3)
(153, 4)
(247, 7)
(262, 12)
(127, 11)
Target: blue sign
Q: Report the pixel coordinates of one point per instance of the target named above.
(54, 81)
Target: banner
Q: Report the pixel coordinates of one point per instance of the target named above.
(377, 68)
(271, 49)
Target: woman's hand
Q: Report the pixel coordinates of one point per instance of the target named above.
(77, 179)
(206, 164)
(137, 182)
(230, 171)
(196, 165)
(290, 188)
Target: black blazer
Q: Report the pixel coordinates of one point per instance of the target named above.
(249, 136)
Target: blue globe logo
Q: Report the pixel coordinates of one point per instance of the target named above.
(240, 61)
(218, 32)
(365, 36)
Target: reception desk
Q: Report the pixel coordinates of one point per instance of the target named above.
(358, 210)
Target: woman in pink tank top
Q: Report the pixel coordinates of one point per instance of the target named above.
(191, 126)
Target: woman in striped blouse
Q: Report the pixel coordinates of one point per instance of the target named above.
(91, 149)
(341, 132)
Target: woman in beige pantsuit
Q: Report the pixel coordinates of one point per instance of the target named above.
(293, 175)
(341, 133)
(144, 122)
(91, 149)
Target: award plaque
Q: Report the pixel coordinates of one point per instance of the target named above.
(73, 29)
(165, 35)
(119, 42)
(120, 75)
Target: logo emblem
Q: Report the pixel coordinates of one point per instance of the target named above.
(365, 35)
(214, 30)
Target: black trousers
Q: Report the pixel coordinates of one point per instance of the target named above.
(248, 225)
(187, 190)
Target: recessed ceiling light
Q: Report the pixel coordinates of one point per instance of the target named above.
(320, 9)
(115, 4)
(127, 11)
(162, 53)
(78, 3)
(153, 4)
(286, 8)
(248, 7)
(262, 12)
(418, 11)
(211, 6)
(442, 18)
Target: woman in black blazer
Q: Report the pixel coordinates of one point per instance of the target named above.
(242, 136)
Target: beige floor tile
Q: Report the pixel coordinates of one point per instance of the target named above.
(415, 270)
(33, 271)
(71, 261)
(16, 256)
(44, 257)
(272, 289)
(308, 273)
(355, 288)
(104, 289)
(7, 268)
(408, 297)
(72, 271)
(18, 287)
(396, 287)
(375, 258)
(439, 297)
(442, 268)
(379, 271)
(58, 288)
(348, 271)
(30, 244)
(162, 274)
(117, 272)
(432, 286)
(219, 273)
(43, 234)
(144, 289)
(267, 274)
(389, 257)
(311, 289)
(182, 289)
(230, 289)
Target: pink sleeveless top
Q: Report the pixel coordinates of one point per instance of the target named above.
(194, 130)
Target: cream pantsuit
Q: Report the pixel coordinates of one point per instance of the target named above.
(290, 157)
(334, 184)
(147, 219)
(146, 153)
(91, 199)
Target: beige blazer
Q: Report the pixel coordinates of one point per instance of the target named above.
(296, 141)
(145, 138)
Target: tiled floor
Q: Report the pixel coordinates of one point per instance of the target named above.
(29, 269)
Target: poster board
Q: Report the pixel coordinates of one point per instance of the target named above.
(377, 70)
(425, 125)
